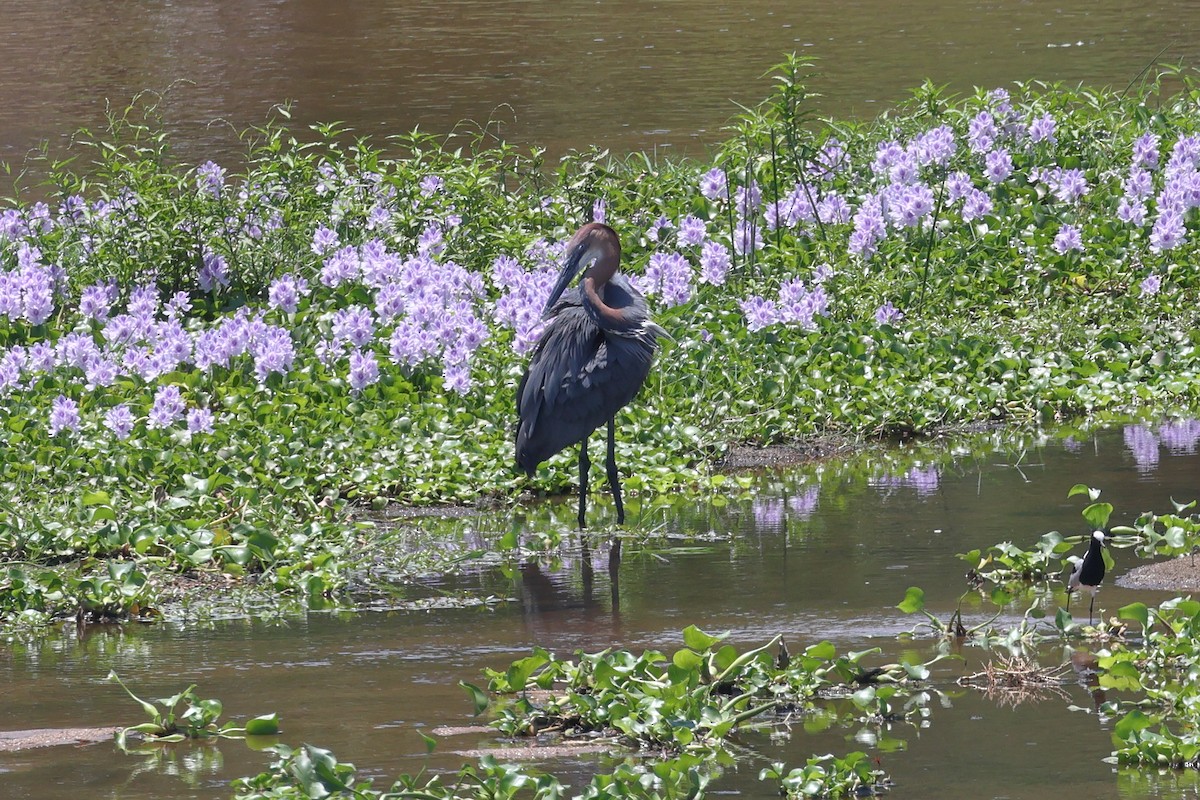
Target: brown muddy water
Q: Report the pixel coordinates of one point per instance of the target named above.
(823, 552)
(630, 76)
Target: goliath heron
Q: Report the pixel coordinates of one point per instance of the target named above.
(590, 360)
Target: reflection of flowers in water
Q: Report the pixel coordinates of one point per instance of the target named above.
(1181, 437)
(804, 505)
(924, 480)
(770, 512)
(1143, 446)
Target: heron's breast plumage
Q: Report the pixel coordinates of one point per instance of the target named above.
(581, 374)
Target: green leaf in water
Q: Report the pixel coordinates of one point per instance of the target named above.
(914, 600)
(1097, 514)
(1138, 612)
(479, 697)
(698, 640)
(266, 725)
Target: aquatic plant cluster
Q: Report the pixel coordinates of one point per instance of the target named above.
(201, 365)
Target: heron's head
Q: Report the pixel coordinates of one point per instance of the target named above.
(590, 244)
(1098, 536)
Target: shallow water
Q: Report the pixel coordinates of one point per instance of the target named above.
(818, 553)
(625, 75)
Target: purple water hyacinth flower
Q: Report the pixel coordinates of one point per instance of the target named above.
(354, 324)
(179, 305)
(833, 209)
(934, 146)
(759, 312)
(715, 262)
(379, 266)
(1145, 151)
(888, 314)
(714, 185)
(64, 415)
(30, 291)
(904, 169)
(659, 229)
(10, 294)
(668, 275)
(747, 199)
(692, 231)
(1184, 154)
(822, 273)
(76, 350)
(330, 352)
(1143, 446)
(1067, 239)
(137, 361)
(1168, 231)
(324, 239)
(40, 358)
(431, 185)
(1132, 212)
(273, 352)
(869, 227)
(340, 267)
(1043, 129)
(143, 302)
(958, 186)
(100, 371)
(119, 420)
(982, 132)
(457, 378)
(790, 211)
(1138, 185)
(1068, 185)
(976, 205)
(364, 370)
(599, 210)
(214, 272)
(747, 237)
(210, 178)
(379, 218)
(998, 165)
(886, 156)
(12, 363)
(95, 302)
(390, 302)
(39, 217)
(800, 306)
(431, 242)
(1151, 285)
(506, 272)
(908, 206)
(829, 160)
(12, 225)
(200, 420)
(167, 408)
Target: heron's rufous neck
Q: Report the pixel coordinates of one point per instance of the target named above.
(606, 247)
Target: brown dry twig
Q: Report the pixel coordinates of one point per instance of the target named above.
(1015, 680)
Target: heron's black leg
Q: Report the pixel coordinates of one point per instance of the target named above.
(1091, 607)
(614, 480)
(584, 466)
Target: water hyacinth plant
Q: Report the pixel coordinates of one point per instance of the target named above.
(232, 352)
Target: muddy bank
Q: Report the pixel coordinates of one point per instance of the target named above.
(12, 741)
(1177, 575)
